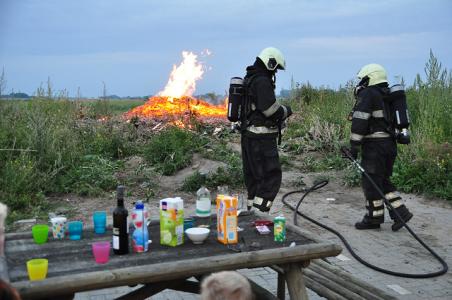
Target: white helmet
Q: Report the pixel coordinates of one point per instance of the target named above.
(273, 59)
(375, 72)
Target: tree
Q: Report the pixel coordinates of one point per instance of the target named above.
(2, 82)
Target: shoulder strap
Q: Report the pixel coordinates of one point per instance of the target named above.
(388, 114)
(246, 105)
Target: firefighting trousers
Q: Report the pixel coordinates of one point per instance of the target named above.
(378, 157)
(261, 169)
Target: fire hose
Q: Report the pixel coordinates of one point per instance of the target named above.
(322, 183)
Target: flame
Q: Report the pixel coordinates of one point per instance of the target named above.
(176, 100)
(182, 80)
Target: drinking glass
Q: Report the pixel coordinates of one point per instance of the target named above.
(37, 268)
(100, 221)
(101, 251)
(58, 227)
(40, 233)
(75, 230)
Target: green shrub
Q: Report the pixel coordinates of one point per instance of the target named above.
(229, 176)
(426, 171)
(91, 176)
(172, 149)
(193, 182)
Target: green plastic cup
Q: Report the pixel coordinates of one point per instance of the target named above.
(40, 233)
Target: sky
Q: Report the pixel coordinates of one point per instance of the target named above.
(133, 45)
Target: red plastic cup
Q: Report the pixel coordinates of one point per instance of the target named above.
(101, 251)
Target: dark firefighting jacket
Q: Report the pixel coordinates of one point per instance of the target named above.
(368, 122)
(266, 114)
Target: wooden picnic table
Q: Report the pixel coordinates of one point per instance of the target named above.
(72, 267)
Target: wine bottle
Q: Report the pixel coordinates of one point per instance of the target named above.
(120, 224)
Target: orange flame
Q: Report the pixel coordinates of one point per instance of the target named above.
(176, 98)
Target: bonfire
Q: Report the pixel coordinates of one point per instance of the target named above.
(175, 103)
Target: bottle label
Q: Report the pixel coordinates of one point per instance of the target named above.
(115, 230)
(116, 242)
(203, 207)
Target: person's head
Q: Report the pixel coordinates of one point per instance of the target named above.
(226, 285)
(372, 74)
(273, 59)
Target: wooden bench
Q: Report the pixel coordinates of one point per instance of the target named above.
(332, 282)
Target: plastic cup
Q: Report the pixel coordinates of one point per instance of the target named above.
(100, 221)
(58, 227)
(188, 223)
(75, 230)
(101, 251)
(40, 233)
(37, 268)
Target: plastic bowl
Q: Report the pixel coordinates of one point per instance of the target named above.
(197, 234)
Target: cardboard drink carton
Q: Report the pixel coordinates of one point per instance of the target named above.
(227, 219)
(172, 221)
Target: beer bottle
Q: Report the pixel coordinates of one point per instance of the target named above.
(120, 224)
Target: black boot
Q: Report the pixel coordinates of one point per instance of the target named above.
(263, 205)
(404, 213)
(369, 223)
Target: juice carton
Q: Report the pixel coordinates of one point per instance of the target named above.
(172, 221)
(227, 219)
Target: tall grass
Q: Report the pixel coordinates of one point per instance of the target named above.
(47, 146)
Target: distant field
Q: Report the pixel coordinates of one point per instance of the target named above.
(117, 106)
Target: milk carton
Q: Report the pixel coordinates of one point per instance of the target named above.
(227, 219)
(172, 221)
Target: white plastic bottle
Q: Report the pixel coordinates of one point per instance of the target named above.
(203, 207)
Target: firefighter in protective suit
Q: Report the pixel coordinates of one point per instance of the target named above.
(370, 134)
(265, 118)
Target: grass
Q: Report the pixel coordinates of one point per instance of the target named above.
(230, 175)
(172, 149)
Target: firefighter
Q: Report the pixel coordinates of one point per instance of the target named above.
(370, 134)
(264, 121)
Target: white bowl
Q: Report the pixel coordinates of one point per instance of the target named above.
(197, 234)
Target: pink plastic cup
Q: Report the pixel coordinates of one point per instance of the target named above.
(101, 251)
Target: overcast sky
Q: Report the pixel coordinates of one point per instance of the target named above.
(132, 45)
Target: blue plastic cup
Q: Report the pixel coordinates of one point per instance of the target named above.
(75, 230)
(100, 221)
(188, 223)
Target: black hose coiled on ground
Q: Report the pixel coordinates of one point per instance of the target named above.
(321, 184)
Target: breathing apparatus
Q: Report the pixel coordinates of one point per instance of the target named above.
(396, 100)
(235, 99)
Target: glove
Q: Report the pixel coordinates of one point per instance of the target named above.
(354, 152)
(289, 111)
